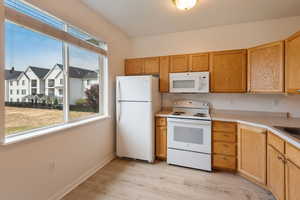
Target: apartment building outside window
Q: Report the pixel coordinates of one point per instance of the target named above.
(43, 72)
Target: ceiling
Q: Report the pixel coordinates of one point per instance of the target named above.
(151, 17)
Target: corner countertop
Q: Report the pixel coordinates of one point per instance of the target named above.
(258, 119)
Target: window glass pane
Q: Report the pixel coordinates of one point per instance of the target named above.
(35, 13)
(31, 59)
(84, 82)
(86, 37)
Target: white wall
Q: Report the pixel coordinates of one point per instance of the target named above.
(223, 38)
(216, 38)
(25, 168)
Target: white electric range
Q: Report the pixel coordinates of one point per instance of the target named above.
(189, 135)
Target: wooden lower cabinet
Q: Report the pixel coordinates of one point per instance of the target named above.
(252, 153)
(161, 138)
(292, 181)
(276, 173)
(224, 145)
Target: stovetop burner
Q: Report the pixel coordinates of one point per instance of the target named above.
(178, 113)
(200, 115)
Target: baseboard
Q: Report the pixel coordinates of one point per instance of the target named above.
(59, 195)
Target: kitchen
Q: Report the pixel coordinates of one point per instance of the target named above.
(190, 131)
(170, 100)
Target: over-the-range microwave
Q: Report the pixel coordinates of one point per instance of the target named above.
(193, 82)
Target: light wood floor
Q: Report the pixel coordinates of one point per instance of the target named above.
(134, 180)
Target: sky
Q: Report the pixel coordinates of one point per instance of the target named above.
(24, 48)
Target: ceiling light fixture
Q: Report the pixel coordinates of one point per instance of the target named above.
(184, 4)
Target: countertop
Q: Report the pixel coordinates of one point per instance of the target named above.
(258, 119)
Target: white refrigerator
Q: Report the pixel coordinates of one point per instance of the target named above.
(138, 99)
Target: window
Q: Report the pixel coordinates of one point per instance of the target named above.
(11, 100)
(17, 92)
(51, 83)
(11, 92)
(33, 91)
(84, 100)
(18, 100)
(44, 58)
(11, 83)
(33, 83)
(51, 91)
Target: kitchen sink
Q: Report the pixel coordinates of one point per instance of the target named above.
(295, 132)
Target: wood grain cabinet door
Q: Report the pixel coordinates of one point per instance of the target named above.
(266, 68)
(179, 63)
(276, 173)
(292, 64)
(134, 66)
(229, 71)
(252, 153)
(199, 62)
(164, 74)
(151, 65)
(292, 181)
(161, 142)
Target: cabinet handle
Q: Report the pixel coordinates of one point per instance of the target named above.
(282, 159)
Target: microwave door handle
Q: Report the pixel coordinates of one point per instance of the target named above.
(200, 82)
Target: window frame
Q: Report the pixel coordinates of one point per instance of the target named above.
(102, 81)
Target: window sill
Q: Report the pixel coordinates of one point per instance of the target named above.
(51, 130)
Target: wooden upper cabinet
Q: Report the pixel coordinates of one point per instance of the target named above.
(292, 64)
(229, 71)
(179, 63)
(276, 173)
(199, 62)
(252, 153)
(134, 66)
(164, 74)
(266, 68)
(151, 65)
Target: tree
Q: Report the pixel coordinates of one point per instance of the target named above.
(92, 95)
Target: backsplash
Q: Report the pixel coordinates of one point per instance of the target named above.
(247, 102)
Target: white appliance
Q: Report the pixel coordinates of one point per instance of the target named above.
(138, 99)
(194, 82)
(189, 135)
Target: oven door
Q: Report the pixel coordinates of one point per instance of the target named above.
(189, 135)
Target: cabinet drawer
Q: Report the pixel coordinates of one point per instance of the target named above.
(224, 126)
(293, 154)
(224, 148)
(276, 142)
(161, 121)
(224, 136)
(224, 162)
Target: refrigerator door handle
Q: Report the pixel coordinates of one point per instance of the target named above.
(119, 113)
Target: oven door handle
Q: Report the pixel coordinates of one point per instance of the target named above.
(196, 122)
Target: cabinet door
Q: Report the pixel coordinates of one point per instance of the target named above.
(179, 63)
(252, 153)
(134, 66)
(151, 65)
(228, 71)
(266, 68)
(199, 62)
(276, 173)
(292, 64)
(292, 181)
(164, 74)
(161, 142)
